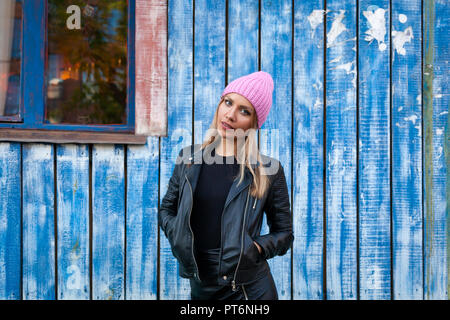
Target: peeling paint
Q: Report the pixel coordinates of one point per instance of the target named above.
(344, 41)
(315, 18)
(411, 118)
(336, 28)
(74, 279)
(336, 60)
(39, 152)
(317, 103)
(346, 66)
(377, 30)
(399, 38)
(348, 69)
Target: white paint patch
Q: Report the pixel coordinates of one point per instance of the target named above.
(412, 118)
(400, 108)
(317, 85)
(74, 279)
(317, 103)
(348, 69)
(344, 41)
(400, 38)
(315, 18)
(345, 66)
(336, 60)
(377, 30)
(106, 152)
(336, 28)
(402, 18)
(439, 131)
(419, 98)
(42, 217)
(443, 112)
(4, 147)
(39, 152)
(375, 278)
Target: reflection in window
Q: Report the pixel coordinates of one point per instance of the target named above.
(87, 61)
(10, 56)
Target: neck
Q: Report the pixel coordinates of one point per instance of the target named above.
(226, 147)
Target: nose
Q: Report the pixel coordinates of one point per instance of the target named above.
(230, 115)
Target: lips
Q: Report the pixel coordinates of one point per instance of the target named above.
(226, 125)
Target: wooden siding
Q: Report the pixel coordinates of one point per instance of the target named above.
(359, 122)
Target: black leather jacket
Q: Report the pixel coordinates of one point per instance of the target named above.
(240, 260)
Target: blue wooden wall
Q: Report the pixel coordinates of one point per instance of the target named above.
(359, 121)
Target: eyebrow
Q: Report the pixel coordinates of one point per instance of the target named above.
(248, 108)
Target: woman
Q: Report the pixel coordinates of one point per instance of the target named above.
(213, 209)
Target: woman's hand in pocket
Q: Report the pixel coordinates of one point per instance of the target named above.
(258, 246)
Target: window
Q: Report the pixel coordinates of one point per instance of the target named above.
(10, 59)
(70, 66)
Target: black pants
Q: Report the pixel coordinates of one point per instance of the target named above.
(208, 289)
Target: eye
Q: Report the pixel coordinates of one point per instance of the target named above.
(245, 111)
(228, 102)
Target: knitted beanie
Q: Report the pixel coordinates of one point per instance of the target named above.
(257, 88)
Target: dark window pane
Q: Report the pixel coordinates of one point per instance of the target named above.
(10, 56)
(87, 61)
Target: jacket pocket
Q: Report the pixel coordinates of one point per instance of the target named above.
(250, 256)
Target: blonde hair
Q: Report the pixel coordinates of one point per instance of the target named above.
(246, 156)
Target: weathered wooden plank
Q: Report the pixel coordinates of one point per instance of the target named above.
(108, 220)
(436, 144)
(275, 135)
(72, 194)
(59, 136)
(38, 222)
(242, 38)
(341, 163)
(407, 233)
(374, 148)
(180, 49)
(209, 62)
(10, 220)
(151, 67)
(142, 221)
(307, 154)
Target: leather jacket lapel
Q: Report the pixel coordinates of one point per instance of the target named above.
(235, 189)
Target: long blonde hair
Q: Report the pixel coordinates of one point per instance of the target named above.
(247, 154)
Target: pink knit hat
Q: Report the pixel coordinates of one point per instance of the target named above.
(257, 88)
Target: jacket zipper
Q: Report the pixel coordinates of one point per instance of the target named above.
(254, 205)
(245, 292)
(233, 283)
(192, 232)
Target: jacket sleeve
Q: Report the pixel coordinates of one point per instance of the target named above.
(169, 204)
(279, 220)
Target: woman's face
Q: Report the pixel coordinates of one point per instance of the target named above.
(235, 112)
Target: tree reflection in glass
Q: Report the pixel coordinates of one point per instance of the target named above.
(87, 61)
(10, 56)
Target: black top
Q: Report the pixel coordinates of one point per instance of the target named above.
(210, 195)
